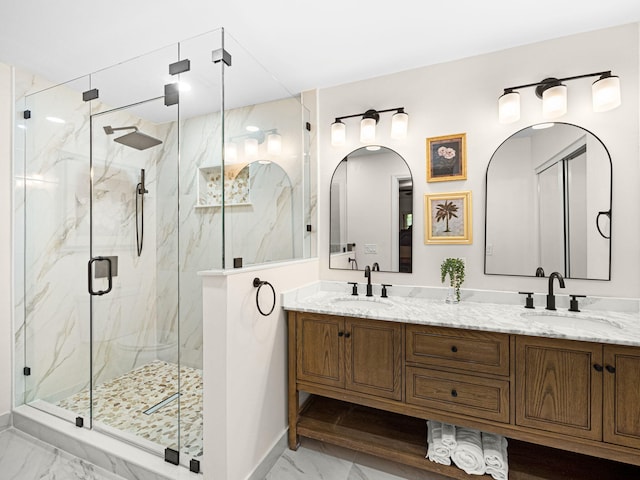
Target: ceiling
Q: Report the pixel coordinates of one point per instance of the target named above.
(303, 44)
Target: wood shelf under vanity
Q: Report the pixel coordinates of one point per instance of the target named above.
(401, 438)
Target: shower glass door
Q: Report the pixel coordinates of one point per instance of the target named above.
(133, 278)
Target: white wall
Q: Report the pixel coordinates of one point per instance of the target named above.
(461, 96)
(245, 366)
(6, 346)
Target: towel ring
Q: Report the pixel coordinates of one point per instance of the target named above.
(259, 284)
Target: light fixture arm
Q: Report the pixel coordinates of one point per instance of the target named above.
(372, 114)
(551, 81)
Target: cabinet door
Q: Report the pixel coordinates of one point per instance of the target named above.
(558, 388)
(319, 345)
(622, 395)
(373, 357)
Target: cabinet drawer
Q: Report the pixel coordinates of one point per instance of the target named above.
(486, 398)
(485, 352)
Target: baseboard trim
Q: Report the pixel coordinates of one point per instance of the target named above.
(270, 459)
(5, 420)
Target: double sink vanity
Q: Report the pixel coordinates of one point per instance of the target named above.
(376, 368)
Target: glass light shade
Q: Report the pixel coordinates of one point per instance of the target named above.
(251, 148)
(230, 153)
(399, 125)
(509, 107)
(554, 101)
(368, 130)
(606, 94)
(338, 133)
(274, 144)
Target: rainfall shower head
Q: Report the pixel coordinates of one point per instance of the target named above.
(135, 139)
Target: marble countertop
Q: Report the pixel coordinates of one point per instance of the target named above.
(489, 311)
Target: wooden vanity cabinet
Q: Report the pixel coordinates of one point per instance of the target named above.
(373, 383)
(558, 388)
(358, 355)
(458, 371)
(621, 377)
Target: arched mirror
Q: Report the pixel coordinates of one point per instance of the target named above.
(548, 204)
(371, 211)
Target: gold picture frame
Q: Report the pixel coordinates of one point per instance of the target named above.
(447, 158)
(448, 218)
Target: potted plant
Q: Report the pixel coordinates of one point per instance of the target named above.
(454, 267)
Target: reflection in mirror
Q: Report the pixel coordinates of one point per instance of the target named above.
(548, 204)
(371, 211)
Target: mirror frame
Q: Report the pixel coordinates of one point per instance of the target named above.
(412, 208)
(486, 196)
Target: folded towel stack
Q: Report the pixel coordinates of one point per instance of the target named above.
(473, 451)
(437, 451)
(495, 455)
(468, 454)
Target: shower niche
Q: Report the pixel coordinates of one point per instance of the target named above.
(234, 187)
(128, 162)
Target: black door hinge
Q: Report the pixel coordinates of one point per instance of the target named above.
(26, 371)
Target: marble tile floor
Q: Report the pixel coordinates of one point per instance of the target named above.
(319, 461)
(120, 403)
(23, 457)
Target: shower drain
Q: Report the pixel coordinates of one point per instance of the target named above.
(161, 404)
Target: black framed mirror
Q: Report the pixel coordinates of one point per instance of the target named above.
(371, 211)
(548, 197)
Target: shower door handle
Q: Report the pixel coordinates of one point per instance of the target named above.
(109, 276)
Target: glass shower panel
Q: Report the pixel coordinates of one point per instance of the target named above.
(55, 215)
(133, 280)
(201, 216)
(263, 125)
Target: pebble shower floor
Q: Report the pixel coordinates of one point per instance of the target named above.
(120, 403)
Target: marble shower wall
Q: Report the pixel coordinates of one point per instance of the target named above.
(52, 202)
(269, 228)
(138, 321)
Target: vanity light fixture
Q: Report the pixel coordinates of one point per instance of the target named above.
(370, 118)
(605, 94)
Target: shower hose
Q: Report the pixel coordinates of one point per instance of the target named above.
(140, 223)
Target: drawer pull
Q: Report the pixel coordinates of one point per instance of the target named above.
(454, 349)
(454, 393)
(340, 334)
(610, 369)
(598, 368)
(347, 335)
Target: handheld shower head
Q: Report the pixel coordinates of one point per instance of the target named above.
(135, 139)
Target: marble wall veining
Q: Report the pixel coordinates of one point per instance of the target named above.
(54, 184)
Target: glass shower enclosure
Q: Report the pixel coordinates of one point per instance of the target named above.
(129, 181)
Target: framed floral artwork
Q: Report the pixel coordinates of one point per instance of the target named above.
(447, 158)
(447, 218)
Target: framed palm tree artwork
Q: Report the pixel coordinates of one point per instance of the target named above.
(447, 218)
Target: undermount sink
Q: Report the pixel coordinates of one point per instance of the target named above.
(366, 303)
(573, 321)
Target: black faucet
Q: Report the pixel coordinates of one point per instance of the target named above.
(539, 272)
(375, 267)
(367, 275)
(551, 299)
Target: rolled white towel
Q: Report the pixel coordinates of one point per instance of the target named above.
(436, 451)
(449, 435)
(495, 455)
(468, 453)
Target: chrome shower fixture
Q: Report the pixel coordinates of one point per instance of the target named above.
(135, 139)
